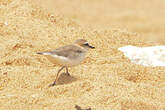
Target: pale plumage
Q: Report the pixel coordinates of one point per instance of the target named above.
(69, 55)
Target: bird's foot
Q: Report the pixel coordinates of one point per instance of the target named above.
(53, 84)
(67, 73)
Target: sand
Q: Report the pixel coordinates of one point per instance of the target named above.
(106, 80)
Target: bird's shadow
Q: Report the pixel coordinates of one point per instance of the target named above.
(65, 79)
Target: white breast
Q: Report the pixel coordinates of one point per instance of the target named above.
(64, 61)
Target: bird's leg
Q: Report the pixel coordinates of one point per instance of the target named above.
(54, 83)
(67, 72)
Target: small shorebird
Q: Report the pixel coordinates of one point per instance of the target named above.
(67, 56)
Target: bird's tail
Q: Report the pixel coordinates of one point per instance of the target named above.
(44, 53)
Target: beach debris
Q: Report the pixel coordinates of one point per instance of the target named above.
(79, 108)
(146, 56)
(6, 23)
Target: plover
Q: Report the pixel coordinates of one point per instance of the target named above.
(67, 56)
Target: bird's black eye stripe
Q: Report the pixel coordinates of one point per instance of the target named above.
(86, 44)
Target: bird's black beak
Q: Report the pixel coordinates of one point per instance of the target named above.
(91, 47)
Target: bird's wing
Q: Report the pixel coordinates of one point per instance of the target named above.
(69, 51)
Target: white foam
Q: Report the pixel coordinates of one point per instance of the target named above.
(146, 56)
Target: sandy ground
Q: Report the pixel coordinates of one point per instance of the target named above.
(106, 80)
(143, 17)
